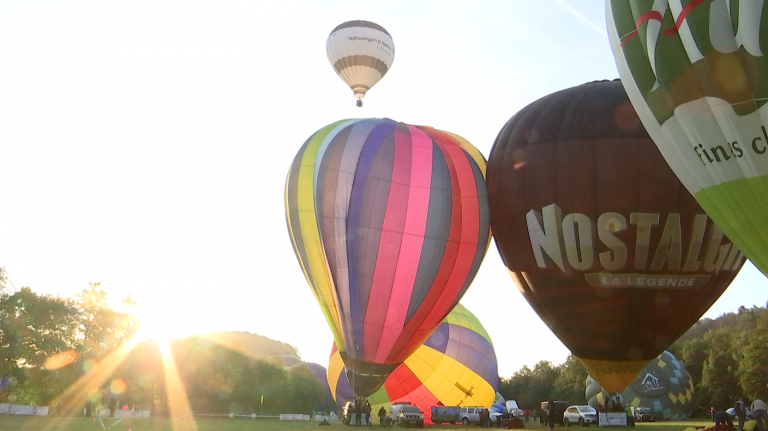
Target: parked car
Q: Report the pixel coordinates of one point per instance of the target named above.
(495, 417)
(395, 408)
(732, 414)
(443, 414)
(504, 420)
(560, 407)
(513, 408)
(470, 415)
(643, 414)
(582, 415)
(410, 415)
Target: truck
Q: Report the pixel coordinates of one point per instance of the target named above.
(643, 414)
(514, 409)
(443, 414)
(559, 407)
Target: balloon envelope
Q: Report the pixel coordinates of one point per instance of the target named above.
(456, 365)
(361, 53)
(698, 77)
(390, 224)
(663, 386)
(607, 246)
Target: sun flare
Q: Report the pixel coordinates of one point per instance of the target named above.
(156, 323)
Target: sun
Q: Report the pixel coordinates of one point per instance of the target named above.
(156, 323)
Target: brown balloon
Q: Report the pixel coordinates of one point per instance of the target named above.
(602, 239)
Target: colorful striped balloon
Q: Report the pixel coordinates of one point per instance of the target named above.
(390, 223)
(456, 366)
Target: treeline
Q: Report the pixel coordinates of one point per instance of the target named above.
(78, 353)
(529, 387)
(726, 357)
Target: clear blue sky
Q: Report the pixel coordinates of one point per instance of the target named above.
(144, 144)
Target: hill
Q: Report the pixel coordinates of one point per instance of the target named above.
(252, 345)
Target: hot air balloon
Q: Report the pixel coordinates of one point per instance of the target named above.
(607, 246)
(390, 224)
(698, 78)
(361, 53)
(456, 366)
(663, 386)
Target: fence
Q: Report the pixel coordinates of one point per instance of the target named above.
(12, 409)
(120, 413)
(293, 417)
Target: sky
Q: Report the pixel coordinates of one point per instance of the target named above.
(145, 145)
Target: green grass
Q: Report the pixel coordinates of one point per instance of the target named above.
(28, 423)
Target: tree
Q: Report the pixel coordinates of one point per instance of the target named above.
(36, 334)
(752, 370)
(719, 382)
(569, 384)
(530, 387)
(304, 389)
(4, 288)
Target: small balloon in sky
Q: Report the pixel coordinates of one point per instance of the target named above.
(361, 53)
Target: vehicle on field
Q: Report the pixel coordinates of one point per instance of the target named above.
(514, 409)
(731, 412)
(582, 415)
(395, 408)
(560, 407)
(643, 414)
(410, 415)
(470, 415)
(445, 414)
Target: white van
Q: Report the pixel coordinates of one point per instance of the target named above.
(470, 415)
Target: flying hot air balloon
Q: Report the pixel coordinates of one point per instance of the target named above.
(390, 223)
(697, 74)
(602, 239)
(361, 53)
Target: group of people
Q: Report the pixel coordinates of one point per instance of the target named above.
(759, 414)
(485, 418)
(360, 411)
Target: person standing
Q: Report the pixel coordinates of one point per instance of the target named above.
(382, 415)
(760, 413)
(551, 415)
(358, 411)
(740, 411)
(712, 413)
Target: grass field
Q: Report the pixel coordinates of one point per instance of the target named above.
(28, 423)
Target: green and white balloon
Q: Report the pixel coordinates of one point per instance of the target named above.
(697, 76)
(663, 386)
